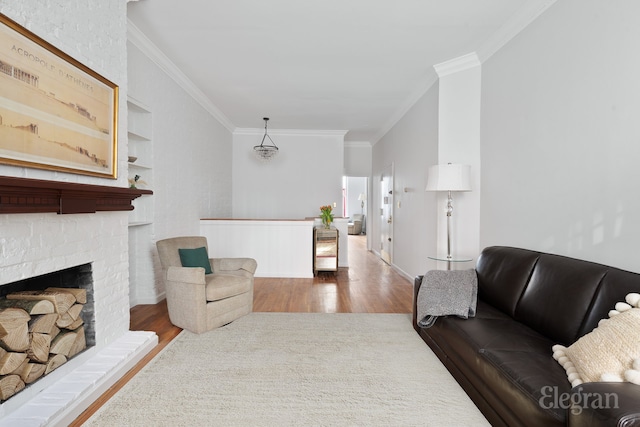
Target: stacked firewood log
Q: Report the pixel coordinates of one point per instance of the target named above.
(39, 331)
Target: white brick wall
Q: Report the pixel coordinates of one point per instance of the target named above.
(94, 33)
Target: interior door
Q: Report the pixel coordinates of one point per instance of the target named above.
(386, 214)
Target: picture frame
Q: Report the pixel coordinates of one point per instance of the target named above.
(55, 113)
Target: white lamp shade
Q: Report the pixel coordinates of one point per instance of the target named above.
(362, 196)
(449, 177)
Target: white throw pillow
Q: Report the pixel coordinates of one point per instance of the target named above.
(611, 352)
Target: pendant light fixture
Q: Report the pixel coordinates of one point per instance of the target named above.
(266, 152)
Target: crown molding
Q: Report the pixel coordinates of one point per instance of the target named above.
(142, 42)
(521, 19)
(291, 132)
(456, 65)
(430, 79)
(495, 42)
(357, 144)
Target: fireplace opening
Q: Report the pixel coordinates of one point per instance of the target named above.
(45, 321)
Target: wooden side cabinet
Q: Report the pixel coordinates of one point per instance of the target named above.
(325, 249)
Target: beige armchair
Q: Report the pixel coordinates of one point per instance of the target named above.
(200, 302)
(355, 225)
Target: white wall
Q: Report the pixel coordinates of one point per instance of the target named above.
(559, 143)
(559, 148)
(357, 158)
(306, 174)
(459, 142)
(560, 135)
(412, 145)
(192, 151)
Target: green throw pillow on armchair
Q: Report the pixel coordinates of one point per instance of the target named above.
(197, 257)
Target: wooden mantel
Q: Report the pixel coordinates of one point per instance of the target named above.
(24, 195)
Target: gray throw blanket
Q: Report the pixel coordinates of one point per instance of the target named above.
(447, 292)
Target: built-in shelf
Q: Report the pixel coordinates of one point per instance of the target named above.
(140, 146)
(25, 195)
(139, 126)
(136, 136)
(139, 223)
(138, 166)
(141, 230)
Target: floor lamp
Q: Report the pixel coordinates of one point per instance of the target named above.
(362, 197)
(449, 178)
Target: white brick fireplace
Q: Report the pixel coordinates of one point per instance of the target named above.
(31, 244)
(36, 244)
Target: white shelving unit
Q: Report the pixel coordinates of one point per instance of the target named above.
(141, 233)
(140, 132)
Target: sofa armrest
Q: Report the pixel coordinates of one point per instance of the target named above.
(185, 289)
(417, 282)
(232, 264)
(194, 275)
(603, 404)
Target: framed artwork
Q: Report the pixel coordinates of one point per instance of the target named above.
(55, 113)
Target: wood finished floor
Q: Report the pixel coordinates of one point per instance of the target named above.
(367, 286)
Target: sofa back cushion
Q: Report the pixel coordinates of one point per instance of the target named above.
(615, 285)
(558, 296)
(503, 274)
(562, 298)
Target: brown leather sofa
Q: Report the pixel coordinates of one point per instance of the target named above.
(527, 302)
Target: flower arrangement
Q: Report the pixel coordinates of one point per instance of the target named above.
(326, 215)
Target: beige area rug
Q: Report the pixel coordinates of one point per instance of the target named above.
(295, 369)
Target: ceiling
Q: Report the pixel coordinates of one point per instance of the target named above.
(352, 65)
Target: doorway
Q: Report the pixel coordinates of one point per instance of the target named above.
(355, 190)
(386, 214)
(355, 193)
